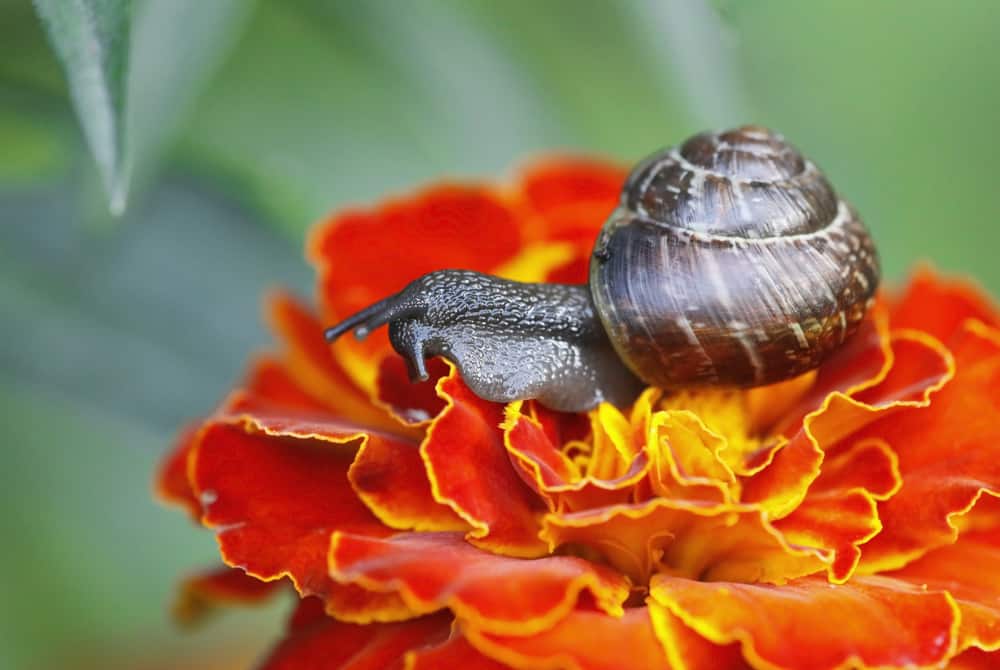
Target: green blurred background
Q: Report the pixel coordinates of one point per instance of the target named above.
(249, 120)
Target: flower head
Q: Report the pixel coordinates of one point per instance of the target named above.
(847, 518)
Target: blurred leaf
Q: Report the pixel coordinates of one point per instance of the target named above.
(152, 321)
(326, 103)
(34, 150)
(675, 33)
(91, 38)
(177, 45)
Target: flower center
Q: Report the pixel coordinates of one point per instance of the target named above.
(660, 490)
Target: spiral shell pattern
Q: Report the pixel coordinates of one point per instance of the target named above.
(731, 261)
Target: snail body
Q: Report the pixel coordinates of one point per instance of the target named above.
(729, 261)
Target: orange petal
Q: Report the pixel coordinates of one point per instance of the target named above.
(498, 593)
(920, 368)
(573, 196)
(270, 381)
(172, 483)
(470, 471)
(839, 513)
(582, 640)
(315, 640)
(363, 256)
(939, 306)
(861, 362)
(686, 460)
(391, 479)
(455, 652)
(687, 650)
(312, 365)
(275, 500)
(966, 570)
(201, 593)
(810, 624)
(949, 454)
(533, 445)
(699, 541)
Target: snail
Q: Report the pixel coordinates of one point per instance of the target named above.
(729, 261)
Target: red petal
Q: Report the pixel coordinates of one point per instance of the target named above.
(976, 659)
(390, 477)
(317, 641)
(861, 362)
(920, 368)
(469, 470)
(583, 640)
(700, 541)
(275, 502)
(172, 482)
(533, 443)
(810, 624)
(573, 196)
(202, 593)
(949, 453)
(968, 571)
(455, 652)
(363, 256)
(312, 366)
(939, 306)
(411, 403)
(270, 381)
(498, 593)
(839, 513)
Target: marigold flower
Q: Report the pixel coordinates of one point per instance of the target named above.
(847, 518)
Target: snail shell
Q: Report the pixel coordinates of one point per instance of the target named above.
(730, 261)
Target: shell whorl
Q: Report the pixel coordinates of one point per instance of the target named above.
(731, 261)
(746, 182)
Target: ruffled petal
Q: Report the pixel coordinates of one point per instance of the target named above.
(939, 306)
(687, 461)
(840, 512)
(455, 652)
(810, 624)
(920, 368)
(861, 362)
(314, 370)
(686, 650)
(949, 454)
(202, 593)
(968, 571)
(432, 571)
(275, 500)
(696, 541)
(536, 439)
(172, 484)
(391, 478)
(470, 471)
(315, 640)
(364, 255)
(582, 640)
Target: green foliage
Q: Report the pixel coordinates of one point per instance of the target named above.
(92, 40)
